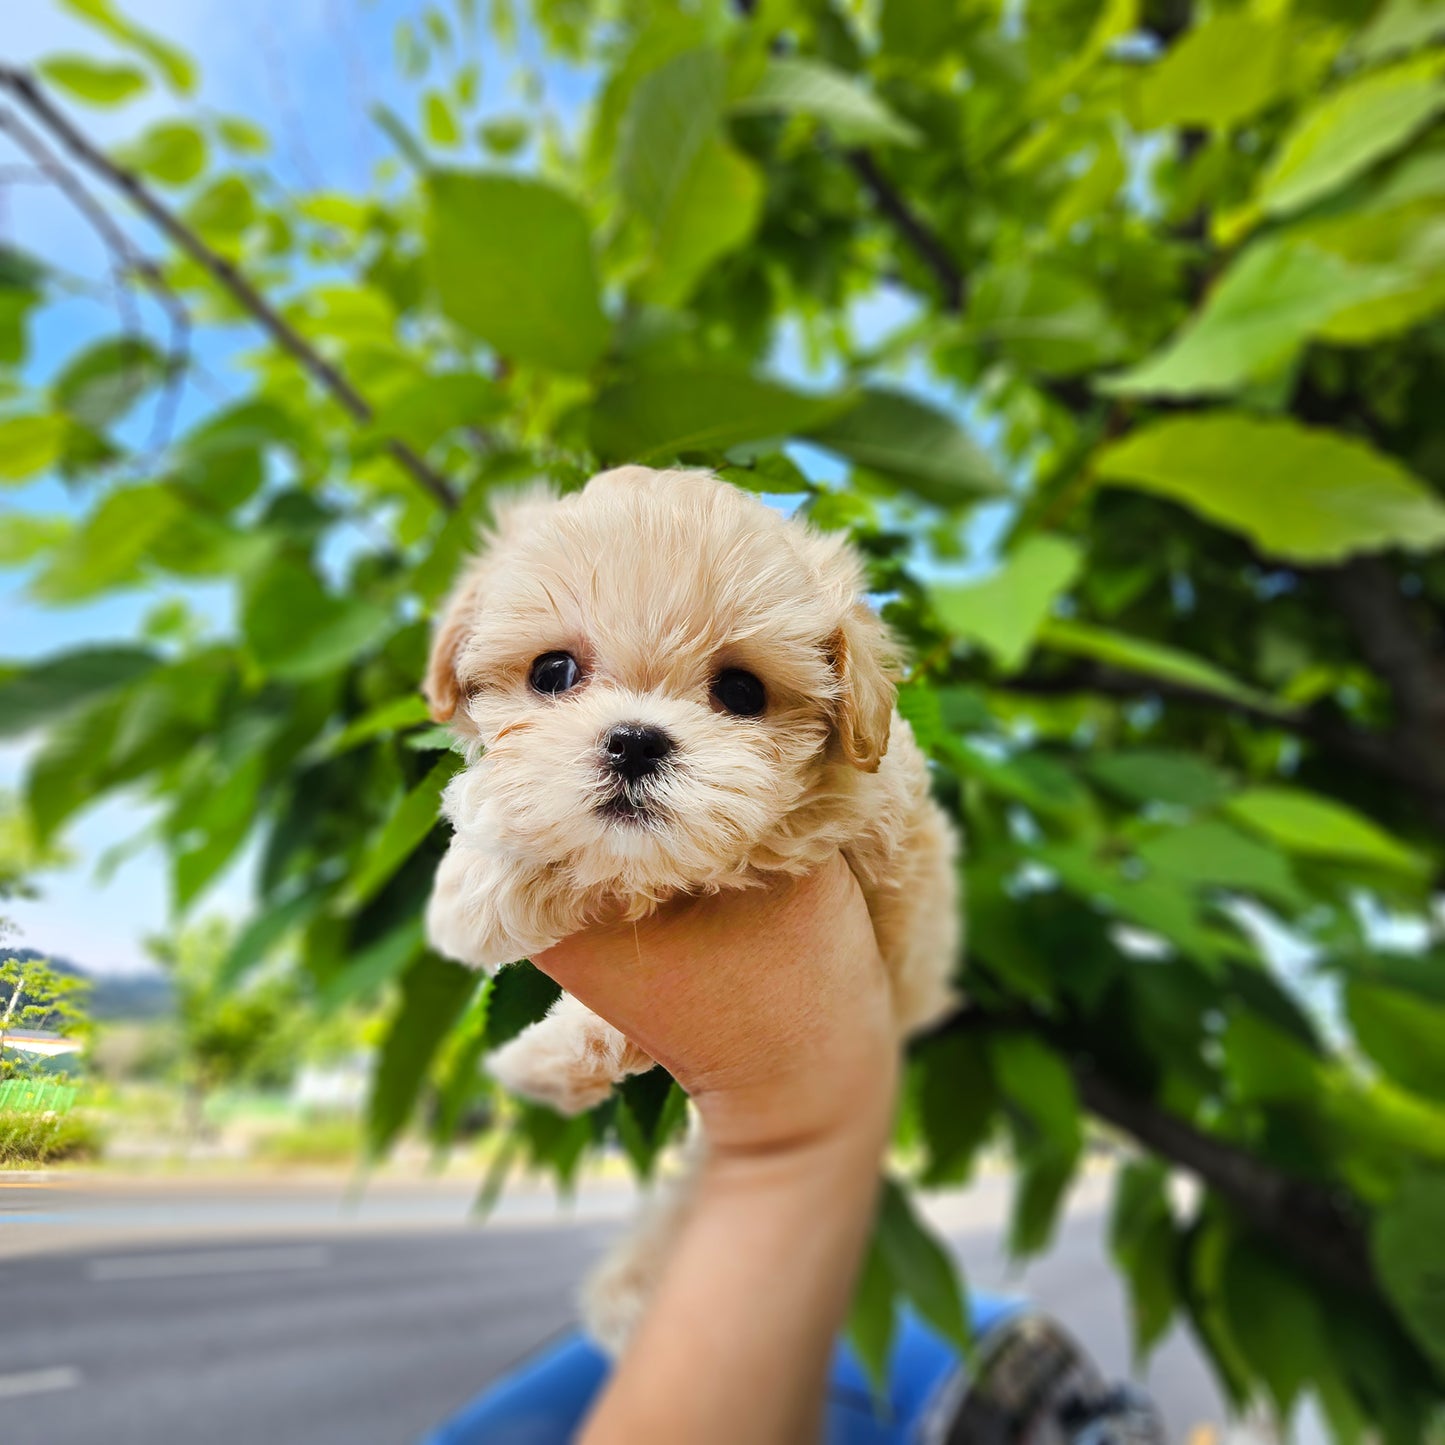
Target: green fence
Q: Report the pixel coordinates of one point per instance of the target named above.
(27, 1096)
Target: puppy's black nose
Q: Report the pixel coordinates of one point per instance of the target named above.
(635, 750)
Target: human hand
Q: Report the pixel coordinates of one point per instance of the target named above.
(768, 1005)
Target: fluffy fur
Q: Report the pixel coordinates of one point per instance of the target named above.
(655, 582)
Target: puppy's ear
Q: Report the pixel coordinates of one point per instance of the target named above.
(861, 653)
(512, 514)
(442, 688)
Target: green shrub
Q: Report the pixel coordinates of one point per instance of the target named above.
(47, 1138)
(319, 1141)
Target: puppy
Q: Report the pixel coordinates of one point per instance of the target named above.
(663, 688)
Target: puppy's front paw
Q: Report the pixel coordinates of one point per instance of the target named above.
(568, 1060)
(559, 1077)
(468, 917)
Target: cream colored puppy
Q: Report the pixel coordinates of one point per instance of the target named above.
(665, 688)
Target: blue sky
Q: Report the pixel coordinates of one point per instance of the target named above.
(305, 70)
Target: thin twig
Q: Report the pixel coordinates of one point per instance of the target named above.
(1378, 752)
(23, 87)
(126, 260)
(952, 283)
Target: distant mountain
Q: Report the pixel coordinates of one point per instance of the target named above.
(112, 996)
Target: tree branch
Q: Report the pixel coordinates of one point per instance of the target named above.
(126, 260)
(23, 87)
(952, 284)
(1320, 1228)
(1378, 752)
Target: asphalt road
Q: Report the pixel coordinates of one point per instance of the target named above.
(265, 1314)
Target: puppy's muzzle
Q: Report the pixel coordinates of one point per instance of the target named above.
(635, 751)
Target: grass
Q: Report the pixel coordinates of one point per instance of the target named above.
(312, 1141)
(30, 1137)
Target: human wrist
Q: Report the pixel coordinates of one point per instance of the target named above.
(814, 1112)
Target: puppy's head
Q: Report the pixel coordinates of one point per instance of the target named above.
(658, 673)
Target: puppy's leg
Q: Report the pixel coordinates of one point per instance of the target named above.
(616, 1293)
(480, 912)
(568, 1060)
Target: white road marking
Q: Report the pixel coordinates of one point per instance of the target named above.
(38, 1382)
(229, 1261)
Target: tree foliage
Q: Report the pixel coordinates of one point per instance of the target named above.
(1109, 328)
(34, 996)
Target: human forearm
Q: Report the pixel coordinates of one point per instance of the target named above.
(736, 1341)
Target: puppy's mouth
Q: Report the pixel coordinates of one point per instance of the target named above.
(630, 808)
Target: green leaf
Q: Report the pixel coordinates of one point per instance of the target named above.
(650, 1108)
(714, 212)
(208, 825)
(1402, 1033)
(1005, 610)
(24, 536)
(171, 152)
(440, 121)
(1409, 1251)
(1045, 319)
(1327, 496)
(397, 133)
(923, 1270)
(1037, 1083)
(504, 135)
(69, 771)
(957, 1101)
(1268, 304)
(433, 994)
(223, 210)
(394, 716)
(795, 86)
(30, 444)
(174, 64)
(1420, 974)
(1033, 778)
(1401, 25)
(910, 442)
(919, 32)
(110, 546)
(660, 415)
(1158, 775)
(1266, 1065)
(672, 116)
(1043, 1184)
(297, 629)
(422, 412)
(872, 1318)
(1155, 903)
(93, 80)
(1347, 131)
(102, 383)
(1144, 1244)
(1210, 853)
(263, 933)
(415, 816)
(512, 262)
(35, 693)
(1318, 827)
(464, 1079)
(1151, 659)
(1276, 1323)
(1223, 71)
(374, 966)
(521, 995)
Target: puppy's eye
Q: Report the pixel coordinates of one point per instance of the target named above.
(555, 672)
(739, 692)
